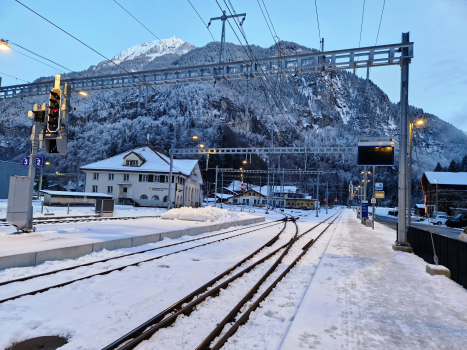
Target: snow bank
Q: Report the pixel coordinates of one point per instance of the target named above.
(212, 214)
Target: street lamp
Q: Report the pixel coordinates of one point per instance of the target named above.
(419, 122)
(4, 45)
(83, 93)
(195, 137)
(201, 146)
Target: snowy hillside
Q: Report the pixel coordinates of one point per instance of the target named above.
(326, 108)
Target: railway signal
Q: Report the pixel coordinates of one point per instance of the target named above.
(53, 117)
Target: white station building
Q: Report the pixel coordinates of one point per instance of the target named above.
(141, 177)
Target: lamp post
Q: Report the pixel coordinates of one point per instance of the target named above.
(419, 122)
(436, 207)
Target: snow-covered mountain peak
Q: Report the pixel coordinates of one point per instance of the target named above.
(154, 49)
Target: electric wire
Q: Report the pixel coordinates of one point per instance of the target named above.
(267, 12)
(11, 76)
(361, 26)
(45, 58)
(212, 36)
(97, 52)
(380, 20)
(264, 16)
(317, 20)
(279, 105)
(32, 58)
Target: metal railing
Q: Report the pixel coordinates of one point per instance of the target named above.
(451, 253)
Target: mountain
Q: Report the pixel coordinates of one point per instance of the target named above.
(325, 108)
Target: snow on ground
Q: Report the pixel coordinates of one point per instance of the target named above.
(94, 312)
(120, 210)
(364, 295)
(204, 214)
(51, 236)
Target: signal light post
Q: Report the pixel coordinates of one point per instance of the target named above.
(48, 130)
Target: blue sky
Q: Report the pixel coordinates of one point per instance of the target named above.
(438, 73)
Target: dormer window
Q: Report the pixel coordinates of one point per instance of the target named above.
(131, 162)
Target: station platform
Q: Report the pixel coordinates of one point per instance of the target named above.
(72, 240)
(364, 295)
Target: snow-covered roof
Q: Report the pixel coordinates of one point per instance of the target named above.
(420, 206)
(223, 195)
(76, 194)
(446, 178)
(155, 162)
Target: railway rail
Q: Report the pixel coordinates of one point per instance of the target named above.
(248, 229)
(212, 289)
(70, 219)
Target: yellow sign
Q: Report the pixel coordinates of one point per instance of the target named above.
(379, 194)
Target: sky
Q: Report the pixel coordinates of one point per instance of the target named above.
(438, 72)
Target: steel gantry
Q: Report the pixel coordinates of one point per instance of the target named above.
(372, 56)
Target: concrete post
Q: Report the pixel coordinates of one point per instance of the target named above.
(402, 243)
(169, 195)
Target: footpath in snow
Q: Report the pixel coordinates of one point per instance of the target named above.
(364, 295)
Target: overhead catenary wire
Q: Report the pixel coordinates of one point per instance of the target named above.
(255, 59)
(380, 20)
(94, 50)
(317, 20)
(361, 26)
(11, 76)
(201, 18)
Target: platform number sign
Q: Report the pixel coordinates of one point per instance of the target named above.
(373, 200)
(40, 160)
(26, 160)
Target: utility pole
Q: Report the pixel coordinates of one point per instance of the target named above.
(409, 177)
(317, 196)
(223, 18)
(268, 191)
(215, 188)
(169, 195)
(327, 197)
(222, 189)
(402, 243)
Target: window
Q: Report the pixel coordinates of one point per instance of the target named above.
(110, 189)
(155, 198)
(111, 177)
(143, 178)
(126, 177)
(131, 162)
(95, 176)
(143, 197)
(165, 199)
(162, 179)
(94, 188)
(235, 201)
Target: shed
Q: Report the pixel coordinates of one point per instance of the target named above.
(8, 169)
(63, 198)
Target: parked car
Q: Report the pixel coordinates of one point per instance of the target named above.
(459, 220)
(393, 212)
(439, 219)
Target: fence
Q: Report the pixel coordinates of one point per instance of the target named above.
(451, 252)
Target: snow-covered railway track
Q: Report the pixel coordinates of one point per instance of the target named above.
(246, 230)
(72, 219)
(191, 302)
